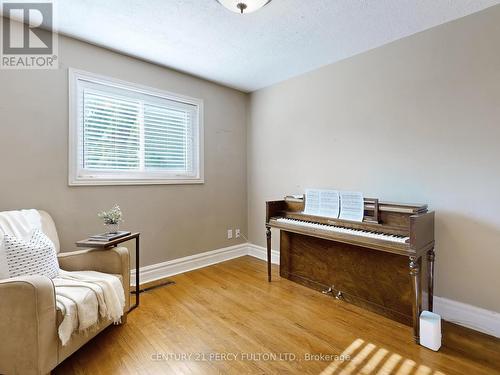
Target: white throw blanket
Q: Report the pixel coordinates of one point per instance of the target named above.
(82, 296)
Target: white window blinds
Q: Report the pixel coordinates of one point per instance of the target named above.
(168, 138)
(125, 134)
(111, 132)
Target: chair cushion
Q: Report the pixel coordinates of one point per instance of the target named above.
(49, 228)
(21, 224)
(32, 256)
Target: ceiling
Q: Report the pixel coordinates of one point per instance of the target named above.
(284, 39)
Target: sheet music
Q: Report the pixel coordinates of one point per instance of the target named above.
(322, 203)
(312, 202)
(352, 206)
(329, 203)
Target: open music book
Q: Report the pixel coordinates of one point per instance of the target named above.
(343, 205)
(321, 202)
(352, 206)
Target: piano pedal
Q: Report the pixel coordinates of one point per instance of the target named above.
(332, 292)
(328, 291)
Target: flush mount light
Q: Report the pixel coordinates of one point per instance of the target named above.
(243, 6)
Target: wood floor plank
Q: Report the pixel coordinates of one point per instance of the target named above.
(227, 319)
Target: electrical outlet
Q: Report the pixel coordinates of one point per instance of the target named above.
(229, 234)
(237, 233)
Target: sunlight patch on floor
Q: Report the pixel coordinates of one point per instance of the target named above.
(366, 359)
(372, 364)
(332, 367)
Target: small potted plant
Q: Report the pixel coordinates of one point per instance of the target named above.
(112, 219)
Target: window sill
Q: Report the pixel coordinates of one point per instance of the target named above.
(125, 182)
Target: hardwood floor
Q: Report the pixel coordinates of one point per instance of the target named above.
(227, 319)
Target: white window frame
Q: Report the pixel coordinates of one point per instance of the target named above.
(79, 176)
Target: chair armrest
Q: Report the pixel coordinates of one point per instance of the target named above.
(28, 325)
(115, 260)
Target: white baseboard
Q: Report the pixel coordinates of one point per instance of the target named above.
(477, 318)
(176, 266)
(470, 316)
(261, 253)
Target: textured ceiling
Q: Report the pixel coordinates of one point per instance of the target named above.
(282, 40)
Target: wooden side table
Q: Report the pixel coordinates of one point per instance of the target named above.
(104, 245)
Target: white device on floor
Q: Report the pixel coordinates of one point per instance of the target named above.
(430, 330)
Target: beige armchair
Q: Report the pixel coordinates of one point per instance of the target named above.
(29, 319)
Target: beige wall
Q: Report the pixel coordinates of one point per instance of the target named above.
(414, 121)
(175, 220)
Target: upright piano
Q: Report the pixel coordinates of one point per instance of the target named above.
(376, 264)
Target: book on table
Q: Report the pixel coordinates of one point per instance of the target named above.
(106, 237)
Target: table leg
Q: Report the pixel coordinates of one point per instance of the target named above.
(137, 267)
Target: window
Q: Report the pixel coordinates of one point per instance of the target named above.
(125, 134)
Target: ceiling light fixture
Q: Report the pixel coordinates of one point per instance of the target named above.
(243, 6)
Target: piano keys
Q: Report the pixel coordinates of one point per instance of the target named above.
(376, 264)
(319, 228)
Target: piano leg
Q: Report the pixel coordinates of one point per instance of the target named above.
(430, 286)
(417, 296)
(268, 235)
